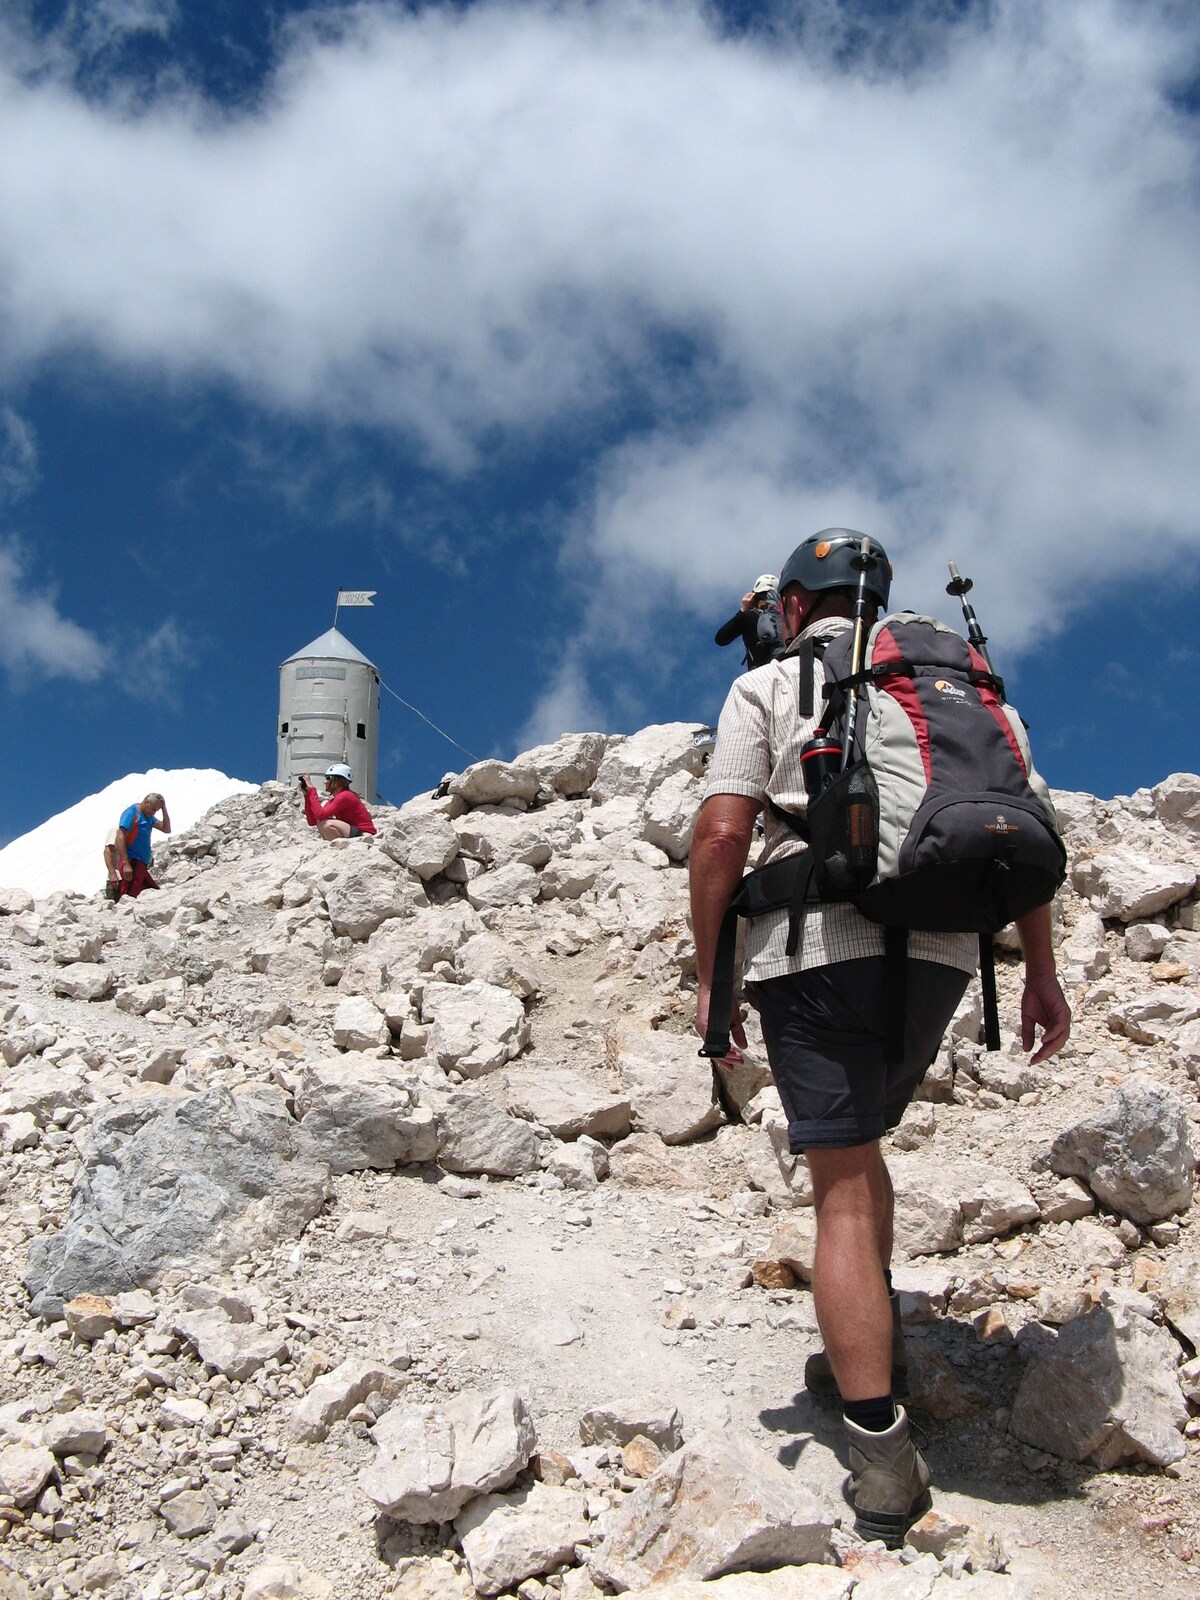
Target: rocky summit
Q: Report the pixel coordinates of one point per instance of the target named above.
(372, 1227)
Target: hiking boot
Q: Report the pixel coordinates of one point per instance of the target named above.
(818, 1374)
(889, 1481)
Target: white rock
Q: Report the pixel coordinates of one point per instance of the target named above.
(237, 1349)
(511, 885)
(477, 1027)
(1129, 885)
(83, 980)
(425, 844)
(286, 1580)
(433, 1460)
(358, 1024)
(568, 1103)
(670, 1086)
(1177, 802)
(334, 1395)
(507, 1538)
(490, 959)
(634, 767)
(25, 1470)
(670, 814)
(1136, 1153)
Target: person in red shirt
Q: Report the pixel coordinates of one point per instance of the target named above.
(343, 815)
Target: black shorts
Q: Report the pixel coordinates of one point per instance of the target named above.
(824, 1031)
(355, 833)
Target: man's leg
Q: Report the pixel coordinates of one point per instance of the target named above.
(136, 881)
(852, 1195)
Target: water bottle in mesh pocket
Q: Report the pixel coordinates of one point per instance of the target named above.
(843, 828)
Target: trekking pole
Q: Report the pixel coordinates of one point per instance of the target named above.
(863, 561)
(959, 587)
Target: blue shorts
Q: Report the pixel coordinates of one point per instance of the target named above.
(824, 1030)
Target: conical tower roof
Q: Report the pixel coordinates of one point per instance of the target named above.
(331, 646)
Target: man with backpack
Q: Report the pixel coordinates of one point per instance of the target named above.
(847, 1039)
(756, 623)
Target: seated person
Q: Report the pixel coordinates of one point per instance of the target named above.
(343, 815)
(752, 625)
(137, 825)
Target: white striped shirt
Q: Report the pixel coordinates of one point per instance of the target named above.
(757, 755)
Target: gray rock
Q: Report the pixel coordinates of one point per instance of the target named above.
(476, 1026)
(568, 1104)
(1145, 941)
(83, 980)
(433, 1460)
(1103, 1389)
(358, 1024)
(238, 1349)
(507, 1538)
(1155, 1018)
(1129, 885)
(190, 1514)
(489, 959)
(619, 1421)
(1135, 1153)
(334, 1395)
(170, 1182)
(634, 767)
(568, 766)
(364, 1115)
(369, 890)
(670, 1086)
(475, 1136)
(1177, 803)
(715, 1506)
(425, 844)
(489, 782)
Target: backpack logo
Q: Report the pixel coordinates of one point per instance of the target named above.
(1001, 826)
(950, 690)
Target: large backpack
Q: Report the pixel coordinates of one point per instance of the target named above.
(934, 824)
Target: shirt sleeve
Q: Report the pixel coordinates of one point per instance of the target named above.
(741, 761)
(127, 816)
(729, 631)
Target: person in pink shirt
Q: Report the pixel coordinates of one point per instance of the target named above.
(343, 815)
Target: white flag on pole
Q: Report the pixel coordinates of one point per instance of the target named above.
(356, 597)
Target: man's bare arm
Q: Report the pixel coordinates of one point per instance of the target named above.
(163, 822)
(720, 846)
(1043, 1003)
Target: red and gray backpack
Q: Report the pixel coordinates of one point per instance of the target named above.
(938, 821)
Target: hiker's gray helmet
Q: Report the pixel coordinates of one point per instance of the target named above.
(826, 561)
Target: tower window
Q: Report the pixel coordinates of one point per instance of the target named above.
(361, 729)
(283, 727)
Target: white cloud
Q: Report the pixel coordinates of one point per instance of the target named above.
(957, 304)
(18, 455)
(34, 635)
(564, 705)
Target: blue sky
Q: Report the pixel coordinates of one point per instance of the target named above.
(557, 323)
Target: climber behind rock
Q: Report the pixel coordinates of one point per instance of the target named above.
(756, 622)
(845, 1056)
(343, 815)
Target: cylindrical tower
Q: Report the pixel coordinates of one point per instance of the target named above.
(329, 711)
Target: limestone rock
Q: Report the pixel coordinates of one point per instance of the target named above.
(670, 1086)
(490, 782)
(172, 1182)
(83, 980)
(425, 844)
(507, 1538)
(1155, 1018)
(237, 1349)
(475, 1136)
(487, 958)
(477, 1027)
(432, 1460)
(1103, 1389)
(940, 1205)
(568, 1104)
(1177, 803)
(1145, 941)
(670, 814)
(25, 1470)
(369, 890)
(81, 1431)
(634, 767)
(717, 1505)
(358, 1024)
(43, 1091)
(1130, 886)
(502, 887)
(333, 1396)
(568, 766)
(286, 1580)
(163, 994)
(497, 838)
(190, 1514)
(364, 1116)
(619, 1421)
(1135, 1153)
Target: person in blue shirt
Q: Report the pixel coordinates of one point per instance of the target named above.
(137, 824)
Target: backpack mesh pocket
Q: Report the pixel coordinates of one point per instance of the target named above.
(843, 824)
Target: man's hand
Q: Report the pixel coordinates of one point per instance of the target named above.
(126, 869)
(736, 1030)
(1043, 1005)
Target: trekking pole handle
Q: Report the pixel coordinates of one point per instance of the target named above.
(864, 561)
(958, 586)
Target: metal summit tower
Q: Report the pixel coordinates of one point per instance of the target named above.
(329, 711)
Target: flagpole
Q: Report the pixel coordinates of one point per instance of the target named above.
(336, 605)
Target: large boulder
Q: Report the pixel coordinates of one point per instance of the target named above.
(362, 1115)
(717, 1505)
(1129, 885)
(669, 1085)
(941, 1205)
(1104, 1390)
(177, 1182)
(1135, 1153)
(423, 842)
(475, 1136)
(634, 767)
(490, 782)
(507, 1538)
(368, 890)
(477, 1027)
(1177, 802)
(433, 1460)
(569, 1104)
(568, 766)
